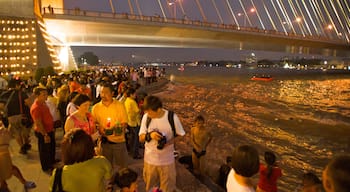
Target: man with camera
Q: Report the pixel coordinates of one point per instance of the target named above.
(157, 132)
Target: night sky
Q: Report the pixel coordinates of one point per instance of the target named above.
(190, 10)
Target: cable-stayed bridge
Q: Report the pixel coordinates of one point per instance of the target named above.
(298, 26)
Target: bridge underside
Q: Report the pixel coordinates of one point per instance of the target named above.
(92, 31)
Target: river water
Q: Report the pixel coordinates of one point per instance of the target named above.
(304, 117)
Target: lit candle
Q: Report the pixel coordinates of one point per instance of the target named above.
(108, 122)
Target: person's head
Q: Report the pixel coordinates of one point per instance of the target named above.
(77, 146)
(126, 179)
(82, 101)
(152, 106)
(270, 158)
(40, 93)
(131, 92)
(71, 96)
(245, 160)
(336, 175)
(311, 183)
(107, 91)
(199, 121)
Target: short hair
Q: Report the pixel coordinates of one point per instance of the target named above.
(310, 179)
(37, 90)
(199, 118)
(77, 146)
(109, 86)
(80, 99)
(270, 157)
(152, 103)
(245, 160)
(339, 172)
(130, 91)
(125, 177)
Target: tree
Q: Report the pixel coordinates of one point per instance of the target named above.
(88, 57)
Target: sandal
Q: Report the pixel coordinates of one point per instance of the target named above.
(29, 185)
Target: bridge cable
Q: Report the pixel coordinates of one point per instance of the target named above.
(246, 17)
(131, 8)
(305, 23)
(280, 19)
(257, 13)
(161, 8)
(309, 16)
(296, 14)
(338, 17)
(233, 15)
(318, 17)
(269, 16)
(112, 6)
(347, 20)
(201, 11)
(285, 15)
(217, 12)
(138, 8)
(327, 14)
(184, 15)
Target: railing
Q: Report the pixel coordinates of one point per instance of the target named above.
(157, 18)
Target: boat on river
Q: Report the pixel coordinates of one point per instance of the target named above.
(261, 78)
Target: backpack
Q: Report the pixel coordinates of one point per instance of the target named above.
(170, 119)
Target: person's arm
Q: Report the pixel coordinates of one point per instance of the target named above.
(195, 145)
(209, 140)
(69, 124)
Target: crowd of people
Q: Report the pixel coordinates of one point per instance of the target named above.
(107, 118)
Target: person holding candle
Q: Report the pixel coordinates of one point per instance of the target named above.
(111, 116)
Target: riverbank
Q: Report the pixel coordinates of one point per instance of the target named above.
(303, 119)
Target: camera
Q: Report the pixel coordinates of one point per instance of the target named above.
(161, 143)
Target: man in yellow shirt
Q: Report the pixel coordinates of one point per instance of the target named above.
(133, 111)
(112, 119)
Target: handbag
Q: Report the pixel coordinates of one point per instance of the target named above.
(57, 182)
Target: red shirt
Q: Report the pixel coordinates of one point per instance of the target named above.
(40, 112)
(270, 184)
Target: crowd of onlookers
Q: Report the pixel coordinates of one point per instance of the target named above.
(108, 118)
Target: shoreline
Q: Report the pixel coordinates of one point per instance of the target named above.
(234, 107)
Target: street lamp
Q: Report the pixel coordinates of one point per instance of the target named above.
(245, 16)
(174, 5)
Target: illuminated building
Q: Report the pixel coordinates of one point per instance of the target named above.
(24, 43)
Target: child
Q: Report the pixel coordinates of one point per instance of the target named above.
(200, 139)
(126, 180)
(269, 174)
(311, 183)
(336, 175)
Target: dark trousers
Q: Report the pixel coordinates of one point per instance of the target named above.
(134, 140)
(47, 151)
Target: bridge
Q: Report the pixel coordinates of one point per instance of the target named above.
(293, 27)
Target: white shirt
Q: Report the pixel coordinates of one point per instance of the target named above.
(165, 156)
(233, 186)
(3, 83)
